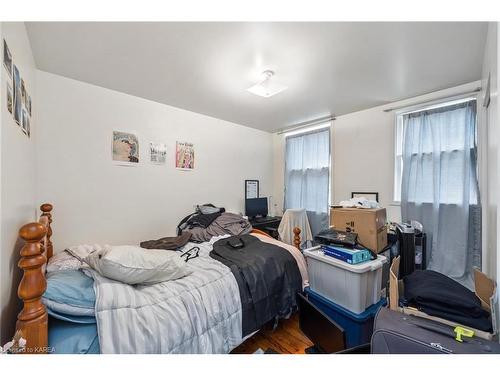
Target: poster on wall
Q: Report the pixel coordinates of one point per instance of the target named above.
(9, 98)
(125, 148)
(7, 58)
(157, 152)
(184, 155)
(18, 106)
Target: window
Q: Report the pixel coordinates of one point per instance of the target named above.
(453, 148)
(307, 174)
(436, 183)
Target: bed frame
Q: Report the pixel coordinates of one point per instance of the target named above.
(32, 321)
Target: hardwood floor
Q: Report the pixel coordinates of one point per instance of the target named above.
(287, 338)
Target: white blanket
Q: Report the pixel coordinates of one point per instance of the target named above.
(199, 313)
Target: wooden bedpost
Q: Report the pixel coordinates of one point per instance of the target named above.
(46, 208)
(296, 237)
(32, 321)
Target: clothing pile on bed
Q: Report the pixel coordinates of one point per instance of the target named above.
(209, 221)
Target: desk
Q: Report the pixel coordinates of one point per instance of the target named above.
(269, 225)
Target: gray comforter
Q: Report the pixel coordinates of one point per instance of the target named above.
(199, 313)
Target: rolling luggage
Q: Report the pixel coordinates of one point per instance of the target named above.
(398, 333)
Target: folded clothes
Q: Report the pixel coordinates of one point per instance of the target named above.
(438, 295)
(168, 243)
(226, 223)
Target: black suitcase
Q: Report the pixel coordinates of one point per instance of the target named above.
(398, 333)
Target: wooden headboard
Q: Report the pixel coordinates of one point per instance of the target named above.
(32, 321)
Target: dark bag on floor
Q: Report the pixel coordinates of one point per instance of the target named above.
(438, 295)
(398, 333)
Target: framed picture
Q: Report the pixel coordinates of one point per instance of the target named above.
(125, 148)
(372, 196)
(157, 152)
(7, 58)
(23, 92)
(184, 155)
(251, 189)
(28, 104)
(25, 122)
(16, 89)
(9, 98)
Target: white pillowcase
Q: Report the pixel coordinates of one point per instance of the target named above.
(135, 265)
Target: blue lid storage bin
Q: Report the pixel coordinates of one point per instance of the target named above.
(358, 327)
(355, 287)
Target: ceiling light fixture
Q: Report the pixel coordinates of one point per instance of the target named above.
(266, 88)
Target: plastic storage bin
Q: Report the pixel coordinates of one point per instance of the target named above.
(352, 286)
(358, 328)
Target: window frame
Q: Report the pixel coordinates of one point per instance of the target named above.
(399, 136)
(327, 125)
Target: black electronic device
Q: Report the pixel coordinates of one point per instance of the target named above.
(326, 335)
(336, 237)
(256, 207)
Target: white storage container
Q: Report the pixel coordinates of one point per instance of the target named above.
(352, 286)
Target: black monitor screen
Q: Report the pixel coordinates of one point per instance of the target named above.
(326, 335)
(256, 207)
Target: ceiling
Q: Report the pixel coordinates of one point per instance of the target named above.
(330, 68)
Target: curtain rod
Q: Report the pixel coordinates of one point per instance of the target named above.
(437, 100)
(306, 124)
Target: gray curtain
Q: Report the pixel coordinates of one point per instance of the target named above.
(440, 187)
(307, 175)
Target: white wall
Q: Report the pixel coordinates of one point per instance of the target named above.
(490, 135)
(17, 176)
(98, 202)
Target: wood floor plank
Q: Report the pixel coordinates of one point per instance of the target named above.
(287, 338)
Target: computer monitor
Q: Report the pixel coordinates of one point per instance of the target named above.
(256, 207)
(326, 335)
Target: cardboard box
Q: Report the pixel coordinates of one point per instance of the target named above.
(485, 290)
(368, 223)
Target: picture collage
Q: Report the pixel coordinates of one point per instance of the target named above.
(18, 98)
(125, 151)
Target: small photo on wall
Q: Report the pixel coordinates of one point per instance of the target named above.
(23, 92)
(157, 152)
(28, 104)
(125, 148)
(25, 124)
(9, 98)
(17, 103)
(7, 58)
(184, 155)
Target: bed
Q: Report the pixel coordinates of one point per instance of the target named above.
(205, 312)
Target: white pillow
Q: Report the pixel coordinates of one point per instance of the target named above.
(135, 265)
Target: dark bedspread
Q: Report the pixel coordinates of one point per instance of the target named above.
(268, 279)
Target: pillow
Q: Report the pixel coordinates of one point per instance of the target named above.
(70, 292)
(135, 265)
